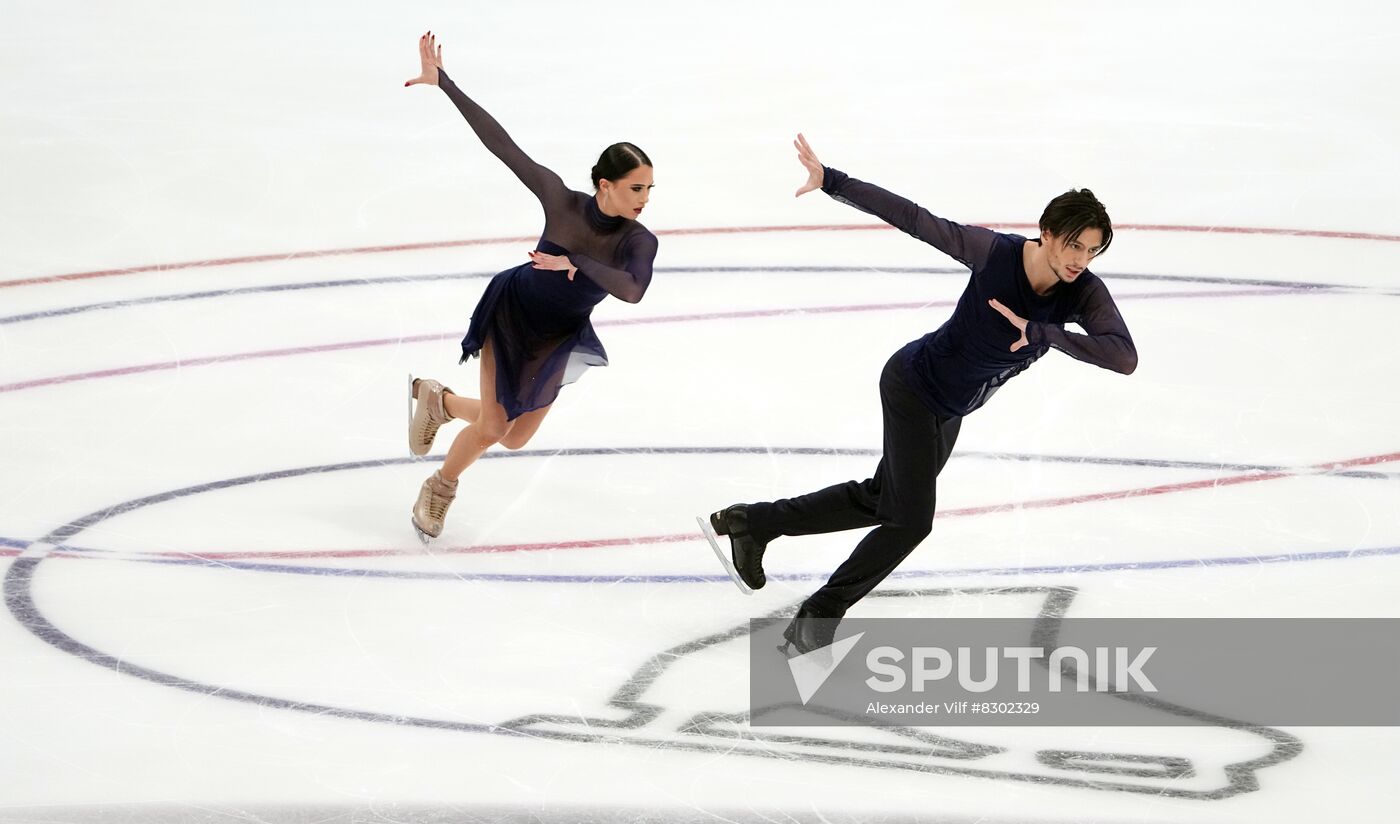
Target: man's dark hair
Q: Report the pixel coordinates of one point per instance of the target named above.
(617, 161)
(1074, 211)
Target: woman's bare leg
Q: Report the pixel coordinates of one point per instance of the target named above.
(465, 409)
(487, 428)
(523, 428)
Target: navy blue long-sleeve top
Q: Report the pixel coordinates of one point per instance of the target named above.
(956, 368)
(613, 252)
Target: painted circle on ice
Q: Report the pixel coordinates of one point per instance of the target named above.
(60, 541)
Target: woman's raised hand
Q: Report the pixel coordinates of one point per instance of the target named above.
(430, 55)
(815, 171)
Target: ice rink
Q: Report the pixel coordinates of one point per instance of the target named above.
(227, 233)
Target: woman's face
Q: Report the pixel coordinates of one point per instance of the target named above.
(628, 196)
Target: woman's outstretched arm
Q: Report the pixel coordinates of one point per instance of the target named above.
(538, 179)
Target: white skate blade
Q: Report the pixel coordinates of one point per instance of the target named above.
(724, 559)
(410, 413)
(422, 536)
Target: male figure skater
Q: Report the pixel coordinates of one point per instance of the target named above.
(1021, 293)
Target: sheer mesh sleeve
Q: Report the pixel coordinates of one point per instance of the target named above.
(629, 282)
(1107, 344)
(969, 245)
(545, 184)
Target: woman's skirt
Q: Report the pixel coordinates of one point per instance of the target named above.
(541, 336)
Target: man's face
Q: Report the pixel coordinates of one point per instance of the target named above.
(1068, 258)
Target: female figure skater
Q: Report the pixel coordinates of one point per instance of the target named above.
(1013, 310)
(531, 326)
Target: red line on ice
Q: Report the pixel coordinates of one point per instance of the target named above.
(753, 313)
(1043, 503)
(716, 230)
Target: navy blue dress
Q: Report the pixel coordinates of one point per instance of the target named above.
(537, 319)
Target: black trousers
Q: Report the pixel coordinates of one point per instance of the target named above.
(898, 501)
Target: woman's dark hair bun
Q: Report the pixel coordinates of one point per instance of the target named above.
(617, 161)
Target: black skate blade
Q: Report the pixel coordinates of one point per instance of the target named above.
(724, 559)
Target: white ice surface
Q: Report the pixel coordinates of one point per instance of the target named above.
(151, 135)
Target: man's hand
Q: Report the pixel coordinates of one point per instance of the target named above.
(815, 171)
(1016, 321)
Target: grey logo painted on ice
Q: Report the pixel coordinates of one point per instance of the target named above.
(1212, 758)
(657, 707)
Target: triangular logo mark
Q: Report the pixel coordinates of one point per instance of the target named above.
(810, 670)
